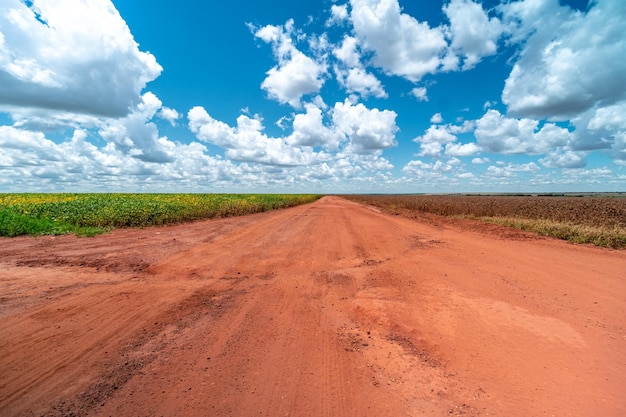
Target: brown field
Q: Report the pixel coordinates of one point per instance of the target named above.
(330, 309)
(588, 219)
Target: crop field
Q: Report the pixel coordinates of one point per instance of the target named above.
(90, 214)
(599, 220)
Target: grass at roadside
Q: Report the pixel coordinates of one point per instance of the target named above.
(90, 214)
(603, 236)
(600, 221)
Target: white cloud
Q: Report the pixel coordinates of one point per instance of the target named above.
(480, 161)
(358, 80)
(338, 14)
(489, 104)
(442, 172)
(436, 118)
(432, 141)
(14, 143)
(82, 60)
(357, 132)
(600, 178)
(135, 134)
(348, 52)
(420, 93)
(372, 162)
(168, 114)
(401, 45)
(436, 134)
(457, 149)
(443, 166)
(603, 128)
(466, 126)
(352, 75)
(474, 35)
(31, 161)
(369, 130)
(416, 165)
(309, 130)
(432, 149)
(500, 134)
(76, 65)
(571, 61)
(296, 74)
(511, 170)
(247, 142)
(564, 159)
(37, 163)
(610, 118)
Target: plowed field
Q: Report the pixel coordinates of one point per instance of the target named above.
(328, 309)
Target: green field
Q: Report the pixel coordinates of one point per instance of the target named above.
(91, 214)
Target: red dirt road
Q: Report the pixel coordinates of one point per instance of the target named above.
(329, 309)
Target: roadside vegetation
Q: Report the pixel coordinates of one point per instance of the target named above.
(595, 219)
(91, 214)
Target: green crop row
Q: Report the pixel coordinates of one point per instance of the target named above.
(89, 214)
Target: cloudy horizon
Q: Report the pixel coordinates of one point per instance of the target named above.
(358, 96)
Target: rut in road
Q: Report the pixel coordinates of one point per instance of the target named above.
(328, 309)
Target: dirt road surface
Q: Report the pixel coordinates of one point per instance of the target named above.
(329, 309)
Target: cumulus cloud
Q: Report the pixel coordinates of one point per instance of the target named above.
(416, 166)
(511, 169)
(436, 118)
(420, 93)
(351, 74)
(25, 148)
(135, 134)
(436, 134)
(401, 45)
(603, 128)
(325, 145)
(466, 126)
(355, 129)
(247, 141)
(358, 80)
(35, 162)
(338, 14)
(369, 130)
(457, 149)
(501, 134)
(168, 114)
(571, 61)
(432, 141)
(602, 177)
(446, 166)
(74, 56)
(474, 35)
(309, 130)
(296, 74)
(564, 159)
(449, 172)
(348, 52)
(440, 138)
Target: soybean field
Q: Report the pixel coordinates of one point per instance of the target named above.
(91, 214)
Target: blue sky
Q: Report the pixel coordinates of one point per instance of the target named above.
(317, 96)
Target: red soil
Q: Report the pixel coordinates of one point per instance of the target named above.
(329, 309)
